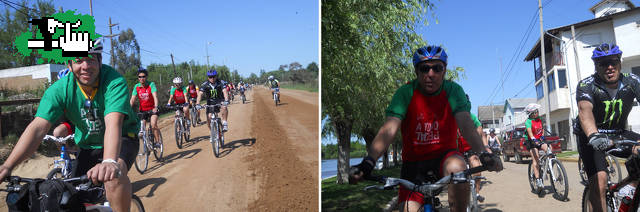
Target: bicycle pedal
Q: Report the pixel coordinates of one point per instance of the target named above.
(480, 198)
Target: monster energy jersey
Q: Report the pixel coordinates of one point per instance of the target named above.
(66, 98)
(428, 124)
(212, 90)
(610, 112)
(274, 83)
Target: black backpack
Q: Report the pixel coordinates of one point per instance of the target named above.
(46, 195)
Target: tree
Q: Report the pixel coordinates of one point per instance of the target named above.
(313, 68)
(127, 52)
(366, 50)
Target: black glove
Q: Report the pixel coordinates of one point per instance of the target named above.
(599, 141)
(490, 161)
(622, 151)
(365, 167)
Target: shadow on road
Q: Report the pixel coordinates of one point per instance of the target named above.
(172, 157)
(229, 147)
(155, 182)
(194, 141)
(282, 104)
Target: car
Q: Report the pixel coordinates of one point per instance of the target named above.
(514, 146)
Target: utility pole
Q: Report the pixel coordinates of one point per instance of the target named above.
(575, 51)
(207, 48)
(544, 72)
(174, 65)
(110, 36)
(91, 8)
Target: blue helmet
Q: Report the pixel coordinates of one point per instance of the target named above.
(212, 73)
(606, 49)
(429, 53)
(63, 73)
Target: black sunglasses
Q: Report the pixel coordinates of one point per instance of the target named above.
(140, 77)
(425, 68)
(607, 63)
(212, 77)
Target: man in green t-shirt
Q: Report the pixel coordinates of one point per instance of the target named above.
(94, 98)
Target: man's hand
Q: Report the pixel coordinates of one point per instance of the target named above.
(599, 141)
(103, 172)
(155, 110)
(362, 170)
(491, 161)
(5, 171)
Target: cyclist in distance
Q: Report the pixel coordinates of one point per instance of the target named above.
(492, 140)
(604, 101)
(94, 98)
(178, 94)
(148, 95)
(533, 136)
(192, 90)
(273, 84)
(215, 93)
(428, 111)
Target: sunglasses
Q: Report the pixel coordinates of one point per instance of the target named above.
(436, 68)
(212, 77)
(140, 77)
(607, 63)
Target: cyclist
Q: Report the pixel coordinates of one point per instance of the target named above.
(604, 102)
(94, 98)
(465, 149)
(426, 110)
(532, 137)
(215, 93)
(492, 140)
(241, 88)
(178, 94)
(148, 95)
(192, 90)
(273, 84)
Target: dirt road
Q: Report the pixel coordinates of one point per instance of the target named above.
(269, 161)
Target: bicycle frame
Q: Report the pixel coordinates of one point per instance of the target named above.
(65, 161)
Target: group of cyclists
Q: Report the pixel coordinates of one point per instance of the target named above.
(91, 100)
(437, 129)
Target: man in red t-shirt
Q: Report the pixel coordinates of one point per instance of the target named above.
(148, 95)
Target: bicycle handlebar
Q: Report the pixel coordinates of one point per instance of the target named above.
(430, 189)
(62, 140)
(14, 183)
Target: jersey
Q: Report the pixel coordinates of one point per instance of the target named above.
(213, 91)
(65, 98)
(274, 83)
(609, 112)
(145, 94)
(428, 124)
(463, 145)
(179, 95)
(193, 92)
(535, 125)
(493, 141)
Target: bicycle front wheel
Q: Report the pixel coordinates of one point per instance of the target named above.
(158, 148)
(614, 169)
(559, 182)
(187, 130)
(473, 201)
(178, 136)
(582, 172)
(531, 177)
(215, 137)
(136, 204)
(142, 159)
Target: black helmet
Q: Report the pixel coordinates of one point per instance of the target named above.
(143, 70)
(492, 130)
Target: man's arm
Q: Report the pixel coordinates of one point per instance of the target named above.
(28, 142)
(199, 97)
(585, 113)
(133, 100)
(469, 131)
(107, 171)
(384, 137)
(155, 101)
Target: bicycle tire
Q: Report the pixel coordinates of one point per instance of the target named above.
(187, 131)
(136, 204)
(531, 177)
(53, 174)
(582, 172)
(614, 170)
(158, 151)
(194, 118)
(214, 138)
(585, 200)
(561, 177)
(142, 159)
(473, 202)
(178, 134)
(275, 99)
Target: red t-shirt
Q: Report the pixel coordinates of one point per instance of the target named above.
(145, 94)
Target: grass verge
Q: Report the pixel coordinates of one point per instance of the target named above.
(311, 87)
(346, 197)
(566, 154)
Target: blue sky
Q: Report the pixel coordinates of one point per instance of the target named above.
(245, 35)
(478, 34)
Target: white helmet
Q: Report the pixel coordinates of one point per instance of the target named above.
(532, 107)
(271, 77)
(177, 80)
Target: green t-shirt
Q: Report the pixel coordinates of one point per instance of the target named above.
(401, 99)
(173, 90)
(65, 97)
(475, 120)
(151, 84)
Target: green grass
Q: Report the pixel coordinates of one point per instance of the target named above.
(567, 153)
(311, 87)
(346, 197)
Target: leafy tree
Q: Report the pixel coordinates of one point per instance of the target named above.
(127, 52)
(15, 22)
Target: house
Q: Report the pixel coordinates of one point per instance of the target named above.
(514, 115)
(28, 77)
(490, 117)
(568, 60)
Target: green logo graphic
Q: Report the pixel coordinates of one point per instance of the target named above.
(610, 106)
(59, 38)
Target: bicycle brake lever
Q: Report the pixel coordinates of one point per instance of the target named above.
(374, 187)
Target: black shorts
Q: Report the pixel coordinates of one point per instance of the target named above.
(532, 144)
(419, 172)
(88, 158)
(215, 109)
(594, 161)
(146, 115)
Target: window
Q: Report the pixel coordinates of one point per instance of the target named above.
(551, 83)
(635, 70)
(562, 78)
(539, 91)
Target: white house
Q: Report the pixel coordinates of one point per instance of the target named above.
(514, 115)
(568, 60)
(490, 117)
(28, 77)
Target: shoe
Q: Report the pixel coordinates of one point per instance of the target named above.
(480, 198)
(225, 127)
(188, 122)
(539, 185)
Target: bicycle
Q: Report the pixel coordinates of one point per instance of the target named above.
(614, 199)
(474, 197)
(551, 169)
(180, 126)
(61, 167)
(243, 97)
(217, 134)
(429, 190)
(195, 119)
(147, 144)
(613, 167)
(276, 95)
(82, 184)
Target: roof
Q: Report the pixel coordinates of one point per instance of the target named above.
(535, 51)
(518, 103)
(484, 112)
(627, 2)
